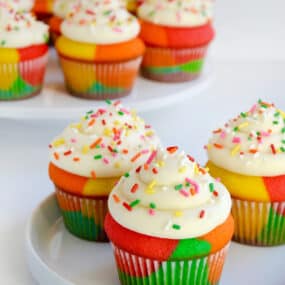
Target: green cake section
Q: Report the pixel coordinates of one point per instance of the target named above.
(193, 67)
(187, 272)
(191, 248)
(19, 89)
(100, 88)
(274, 231)
(83, 227)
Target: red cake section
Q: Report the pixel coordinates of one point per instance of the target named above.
(32, 52)
(276, 187)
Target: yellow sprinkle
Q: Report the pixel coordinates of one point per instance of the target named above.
(196, 169)
(58, 142)
(235, 150)
(207, 169)
(85, 149)
(151, 184)
(182, 169)
(127, 132)
(149, 191)
(76, 126)
(178, 214)
(161, 163)
(116, 123)
(117, 165)
(243, 125)
(83, 118)
(107, 132)
(209, 146)
(149, 133)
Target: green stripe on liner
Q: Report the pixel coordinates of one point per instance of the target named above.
(100, 88)
(18, 89)
(190, 67)
(83, 227)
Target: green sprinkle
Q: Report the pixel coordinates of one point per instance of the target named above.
(249, 138)
(277, 114)
(150, 14)
(121, 113)
(90, 112)
(46, 38)
(283, 130)
(152, 205)
(212, 187)
(178, 187)
(134, 203)
(243, 115)
(187, 184)
(235, 129)
(176, 227)
(99, 156)
(275, 122)
(3, 42)
(127, 174)
(106, 13)
(98, 146)
(258, 133)
(282, 149)
(109, 102)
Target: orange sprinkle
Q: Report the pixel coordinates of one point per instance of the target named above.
(116, 198)
(172, 149)
(202, 170)
(97, 142)
(253, 151)
(92, 122)
(146, 167)
(76, 159)
(93, 174)
(217, 131)
(218, 145)
(125, 151)
(56, 155)
(136, 157)
(192, 191)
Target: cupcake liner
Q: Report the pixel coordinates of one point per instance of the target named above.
(23, 79)
(99, 81)
(137, 270)
(83, 217)
(259, 223)
(173, 65)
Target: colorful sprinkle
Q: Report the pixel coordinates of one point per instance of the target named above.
(134, 188)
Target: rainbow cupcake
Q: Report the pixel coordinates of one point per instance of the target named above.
(183, 31)
(89, 157)
(169, 223)
(99, 51)
(248, 154)
(23, 54)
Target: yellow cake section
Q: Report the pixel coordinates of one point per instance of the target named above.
(75, 50)
(241, 186)
(9, 55)
(99, 186)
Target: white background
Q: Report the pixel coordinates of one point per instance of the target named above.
(249, 63)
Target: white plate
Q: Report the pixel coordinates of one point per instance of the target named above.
(54, 102)
(56, 257)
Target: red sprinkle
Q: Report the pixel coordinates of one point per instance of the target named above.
(172, 149)
(216, 194)
(127, 206)
(135, 188)
(155, 171)
(93, 174)
(273, 148)
(138, 169)
(202, 214)
(190, 158)
(69, 152)
(76, 159)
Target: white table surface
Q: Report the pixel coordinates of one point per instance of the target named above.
(23, 165)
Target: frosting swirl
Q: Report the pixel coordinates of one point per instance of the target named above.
(253, 143)
(170, 197)
(20, 29)
(100, 22)
(177, 13)
(108, 143)
(19, 5)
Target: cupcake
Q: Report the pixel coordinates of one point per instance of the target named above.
(43, 10)
(61, 9)
(183, 31)
(23, 54)
(89, 157)
(169, 222)
(20, 5)
(99, 51)
(247, 155)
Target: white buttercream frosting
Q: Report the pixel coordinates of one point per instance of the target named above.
(169, 197)
(107, 142)
(61, 8)
(177, 13)
(252, 143)
(20, 29)
(20, 5)
(100, 22)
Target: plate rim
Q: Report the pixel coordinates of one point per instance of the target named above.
(35, 263)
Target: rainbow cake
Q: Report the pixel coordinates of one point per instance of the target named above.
(99, 50)
(169, 222)
(183, 31)
(89, 157)
(23, 54)
(248, 154)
